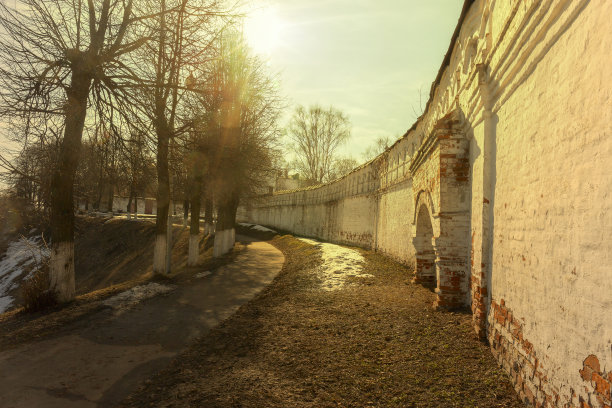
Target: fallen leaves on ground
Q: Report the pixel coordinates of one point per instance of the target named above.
(376, 343)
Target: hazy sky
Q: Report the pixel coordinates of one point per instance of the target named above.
(368, 58)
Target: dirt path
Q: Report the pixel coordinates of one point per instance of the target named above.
(98, 362)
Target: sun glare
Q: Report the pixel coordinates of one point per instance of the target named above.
(263, 30)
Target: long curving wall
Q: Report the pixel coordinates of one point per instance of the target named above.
(501, 194)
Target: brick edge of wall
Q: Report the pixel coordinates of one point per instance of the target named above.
(517, 357)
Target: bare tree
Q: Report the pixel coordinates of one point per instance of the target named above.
(203, 137)
(250, 136)
(417, 112)
(29, 172)
(238, 132)
(342, 166)
(380, 145)
(181, 44)
(56, 58)
(316, 134)
(138, 167)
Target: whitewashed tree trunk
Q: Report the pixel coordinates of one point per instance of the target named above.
(61, 267)
(218, 249)
(226, 238)
(62, 271)
(224, 242)
(159, 255)
(194, 250)
(225, 222)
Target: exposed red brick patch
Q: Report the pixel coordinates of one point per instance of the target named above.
(592, 362)
(599, 382)
(586, 373)
(505, 335)
(602, 385)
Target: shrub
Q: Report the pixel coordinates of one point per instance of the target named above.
(35, 290)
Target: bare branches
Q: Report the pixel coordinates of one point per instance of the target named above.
(316, 134)
(377, 147)
(418, 112)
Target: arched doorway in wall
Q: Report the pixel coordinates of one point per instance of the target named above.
(425, 269)
(441, 191)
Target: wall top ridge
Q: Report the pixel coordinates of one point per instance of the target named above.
(418, 123)
(375, 161)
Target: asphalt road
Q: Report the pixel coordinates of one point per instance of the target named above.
(99, 362)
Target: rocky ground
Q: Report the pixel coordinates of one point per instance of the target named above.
(373, 341)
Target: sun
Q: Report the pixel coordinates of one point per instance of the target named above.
(263, 30)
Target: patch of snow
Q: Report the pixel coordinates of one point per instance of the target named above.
(18, 260)
(137, 294)
(5, 303)
(202, 274)
(255, 227)
(339, 263)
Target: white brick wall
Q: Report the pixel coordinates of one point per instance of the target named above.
(533, 80)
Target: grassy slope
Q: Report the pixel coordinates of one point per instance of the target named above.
(110, 257)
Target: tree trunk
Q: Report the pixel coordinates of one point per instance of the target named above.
(225, 233)
(129, 204)
(128, 209)
(96, 204)
(208, 213)
(194, 230)
(100, 189)
(185, 211)
(61, 267)
(111, 197)
(163, 198)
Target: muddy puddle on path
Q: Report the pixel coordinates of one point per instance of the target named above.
(340, 265)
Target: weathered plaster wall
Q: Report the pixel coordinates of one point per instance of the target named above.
(552, 253)
(518, 195)
(394, 224)
(339, 212)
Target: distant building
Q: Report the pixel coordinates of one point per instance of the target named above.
(120, 203)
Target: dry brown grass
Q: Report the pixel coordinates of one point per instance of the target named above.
(35, 290)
